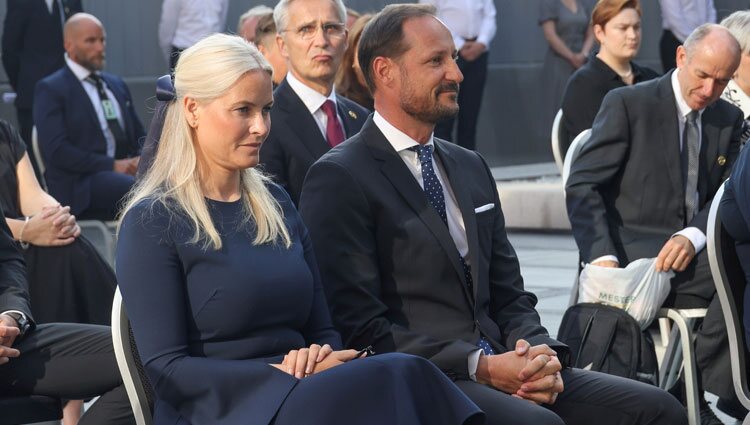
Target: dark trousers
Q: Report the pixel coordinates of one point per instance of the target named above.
(694, 288)
(173, 56)
(668, 50)
(107, 190)
(469, 101)
(588, 398)
(26, 124)
(73, 362)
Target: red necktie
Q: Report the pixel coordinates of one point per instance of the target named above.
(334, 132)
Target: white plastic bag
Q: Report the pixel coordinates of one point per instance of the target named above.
(638, 288)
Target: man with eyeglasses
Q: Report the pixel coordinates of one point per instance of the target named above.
(308, 117)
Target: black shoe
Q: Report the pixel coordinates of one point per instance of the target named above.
(732, 407)
(708, 417)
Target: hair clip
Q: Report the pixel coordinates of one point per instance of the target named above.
(165, 91)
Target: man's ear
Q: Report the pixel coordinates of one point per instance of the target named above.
(681, 56)
(282, 46)
(383, 71)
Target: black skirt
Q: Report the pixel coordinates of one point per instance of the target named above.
(70, 283)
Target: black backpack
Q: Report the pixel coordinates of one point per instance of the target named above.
(607, 339)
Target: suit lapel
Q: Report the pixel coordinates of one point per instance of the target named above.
(670, 134)
(347, 116)
(465, 205)
(300, 120)
(709, 151)
(403, 181)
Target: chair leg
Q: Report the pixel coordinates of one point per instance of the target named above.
(671, 363)
(685, 326)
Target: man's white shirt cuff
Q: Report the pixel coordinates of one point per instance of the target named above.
(474, 363)
(695, 236)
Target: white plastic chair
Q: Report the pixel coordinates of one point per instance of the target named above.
(555, 138)
(136, 383)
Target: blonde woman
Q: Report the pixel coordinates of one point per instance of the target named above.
(220, 283)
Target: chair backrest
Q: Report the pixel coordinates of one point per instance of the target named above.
(38, 156)
(136, 382)
(101, 235)
(557, 139)
(730, 286)
(572, 154)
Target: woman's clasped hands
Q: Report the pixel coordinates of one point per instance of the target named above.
(315, 359)
(53, 226)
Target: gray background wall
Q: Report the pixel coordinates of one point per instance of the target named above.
(507, 131)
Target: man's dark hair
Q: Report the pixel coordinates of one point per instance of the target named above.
(384, 34)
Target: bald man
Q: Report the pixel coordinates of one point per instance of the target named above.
(89, 133)
(248, 23)
(642, 186)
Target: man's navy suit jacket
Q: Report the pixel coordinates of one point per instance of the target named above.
(71, 139)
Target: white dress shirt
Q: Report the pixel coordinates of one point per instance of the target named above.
(683, 16)
(401, 144)
(184, 22)
(467, 19)
(314, 101)
(694, 234)
(82, 73)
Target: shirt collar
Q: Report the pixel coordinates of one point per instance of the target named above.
(311, 98)
(397, 138)
(602, 66)
(682, 107)
(78, 70)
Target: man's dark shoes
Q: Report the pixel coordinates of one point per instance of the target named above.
(708, 417)
(732, 407)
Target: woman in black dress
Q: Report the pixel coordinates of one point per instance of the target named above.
(68, 279)
(617, 28)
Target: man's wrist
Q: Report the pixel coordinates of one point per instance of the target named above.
(10, 320)
(20, 321)
(483, 370)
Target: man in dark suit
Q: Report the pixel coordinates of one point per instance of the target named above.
(643, 184)
(414, 256)
(63, 360)
(308, 117)
(32, 49)
(89, 133)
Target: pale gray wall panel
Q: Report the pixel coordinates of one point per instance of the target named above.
(507, 131)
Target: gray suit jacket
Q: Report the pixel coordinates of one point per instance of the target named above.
(625, 194)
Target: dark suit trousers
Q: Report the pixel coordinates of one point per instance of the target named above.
(469, 102)
(668, 50)
(70, 361)
(589, 398)
(694, 288)
(107, 190)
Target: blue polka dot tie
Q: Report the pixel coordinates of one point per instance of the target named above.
(434, 192)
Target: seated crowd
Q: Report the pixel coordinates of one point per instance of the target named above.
(298, 246)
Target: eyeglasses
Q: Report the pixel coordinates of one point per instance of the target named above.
(330, 30)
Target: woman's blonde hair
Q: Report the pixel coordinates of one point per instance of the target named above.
(204, 72)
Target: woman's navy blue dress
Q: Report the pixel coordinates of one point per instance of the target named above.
(208, 324)
(734, 210)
